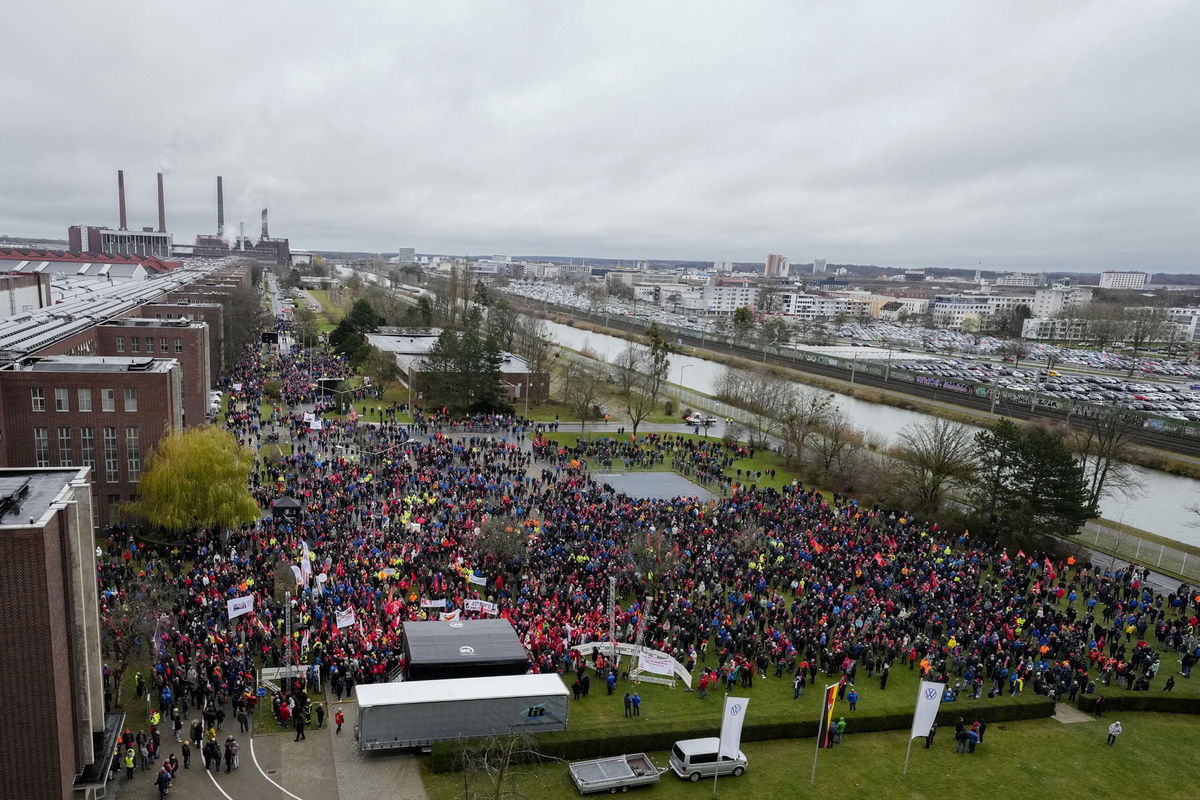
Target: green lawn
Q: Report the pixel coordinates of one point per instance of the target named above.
(1037, 758)
(333, 312)
(368, 410)
(762, 460)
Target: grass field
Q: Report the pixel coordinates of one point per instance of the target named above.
(1041, 758)
(333, 312)
(762, 461)
(1038, 758)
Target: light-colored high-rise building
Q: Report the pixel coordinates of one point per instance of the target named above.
(1111, 279)
(818, 266)
(776, 265)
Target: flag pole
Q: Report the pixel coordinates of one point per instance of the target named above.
(822, 725)
(812, 781)
(907, 753)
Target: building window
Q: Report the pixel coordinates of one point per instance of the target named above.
(84, 396)
(62, 399)
(41, 447)
(135, 343)
(110, 455)
(39, 398)
(133, 454)
(65, 456)
(87, 446)
(179, 345)
(114, 504)
(130, 398)
(108, 399)
(164, 345)
(121, 344)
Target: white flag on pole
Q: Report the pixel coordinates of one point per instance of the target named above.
(929, 698)
(345, 617)
(450, 615)
(478, 580)
(240, 605)
(731, 725)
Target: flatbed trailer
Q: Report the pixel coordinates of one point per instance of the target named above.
(615, 774)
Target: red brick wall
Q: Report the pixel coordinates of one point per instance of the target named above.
(156, 399)
(34, 658)
(193, 360)
(211, 313)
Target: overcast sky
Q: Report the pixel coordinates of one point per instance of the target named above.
(1058, 135)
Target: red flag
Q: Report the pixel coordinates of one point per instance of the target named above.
(879, 559)
(815, 546)
(825, 725)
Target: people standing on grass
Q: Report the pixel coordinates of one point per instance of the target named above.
(1114, 731)
(827, 581)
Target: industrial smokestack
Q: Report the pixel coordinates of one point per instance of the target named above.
(121, 198)
(241, 236)
(264, 230)
(162, 207)
(220, 208)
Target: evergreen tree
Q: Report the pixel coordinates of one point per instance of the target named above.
(462, 369)
(1027, 482)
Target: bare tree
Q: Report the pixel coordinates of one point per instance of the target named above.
(1142, 327)
(581, 390)
(931, 457)
(504, 539)
(1102, 447)
(532, 342)
(634, 386)
(491, 766)
(804, 411)
(837, 443)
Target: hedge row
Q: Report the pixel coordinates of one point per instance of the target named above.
(583, 743)
(1143, 701)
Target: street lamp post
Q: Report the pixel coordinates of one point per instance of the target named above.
(679, 389)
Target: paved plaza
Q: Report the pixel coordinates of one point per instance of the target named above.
(657, 485)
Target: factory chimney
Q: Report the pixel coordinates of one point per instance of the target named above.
(241, 236)
(162, 207)
(121, 198)
(220, 209)
(264, 230)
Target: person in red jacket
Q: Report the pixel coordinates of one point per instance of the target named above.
(338, 719)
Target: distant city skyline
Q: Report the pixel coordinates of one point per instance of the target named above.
(1015, 136)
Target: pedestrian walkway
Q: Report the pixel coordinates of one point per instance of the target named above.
(1069, 714)
(369, 776)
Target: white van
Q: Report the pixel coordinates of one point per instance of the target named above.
(694, 759)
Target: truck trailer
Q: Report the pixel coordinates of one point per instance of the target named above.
(414, 714)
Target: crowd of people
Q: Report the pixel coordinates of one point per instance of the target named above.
(399, 521)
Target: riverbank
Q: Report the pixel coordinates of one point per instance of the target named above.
(1139, 455)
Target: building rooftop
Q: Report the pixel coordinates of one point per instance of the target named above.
(93, 364)
(27, 496)
(147, 322)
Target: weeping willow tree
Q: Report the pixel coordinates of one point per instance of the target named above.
(197, 478)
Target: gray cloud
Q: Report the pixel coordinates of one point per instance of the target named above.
(1020, 134)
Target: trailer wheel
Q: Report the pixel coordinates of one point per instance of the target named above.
(738, 771)
(695, 776)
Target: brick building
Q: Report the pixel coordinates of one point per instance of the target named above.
(50, 638)
(181, 339)
(106, 413)
(213, 314)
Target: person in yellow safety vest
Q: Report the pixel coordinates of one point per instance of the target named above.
(129, 760)
(155, 718)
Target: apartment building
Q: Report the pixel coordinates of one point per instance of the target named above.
(1112, 279)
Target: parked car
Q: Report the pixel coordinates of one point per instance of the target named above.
(693, 759)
